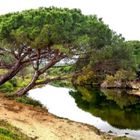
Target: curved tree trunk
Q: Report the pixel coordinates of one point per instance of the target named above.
(38, 72)
(31, 85)
(25, 90)
(10, 74)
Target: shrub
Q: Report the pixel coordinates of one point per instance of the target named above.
(29, 101)
(8, 132)
(7, 87)
(85, 77)
(13, 81)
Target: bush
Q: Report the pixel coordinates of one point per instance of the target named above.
(7, 87)
(29, 101)
(110, 79)
(85, 77)
(120, 79)
(13, 81)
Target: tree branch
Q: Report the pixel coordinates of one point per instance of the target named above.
(48, 80)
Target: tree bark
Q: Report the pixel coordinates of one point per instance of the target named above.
(24, 91)
(38, 72)
(31, 85)
(10, 74)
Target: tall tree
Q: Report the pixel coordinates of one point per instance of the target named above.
(43, 37)
(134, 46)
(107, 58)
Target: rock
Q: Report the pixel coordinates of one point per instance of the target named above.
(126, 133)
(110, 131)
(135, 85)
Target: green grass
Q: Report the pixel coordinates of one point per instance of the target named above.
(29, 101)
(122, 138)
(7, 87)
(10, 87)
(23, 99)
(14, 84)
(8, 132)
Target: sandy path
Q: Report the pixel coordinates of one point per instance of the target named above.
(41, 125)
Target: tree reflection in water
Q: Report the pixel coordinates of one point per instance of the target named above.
(117, 107)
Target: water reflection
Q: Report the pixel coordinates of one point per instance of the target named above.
(103, 109)
(117, 107)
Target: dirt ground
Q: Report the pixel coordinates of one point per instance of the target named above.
(41, 125)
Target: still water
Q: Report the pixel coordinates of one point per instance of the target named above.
(112, 111)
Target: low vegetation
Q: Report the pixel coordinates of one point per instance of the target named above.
(122, 138)
(29, 101)
(8, 132)
(11, 86)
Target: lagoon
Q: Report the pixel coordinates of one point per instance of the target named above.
(101, 109)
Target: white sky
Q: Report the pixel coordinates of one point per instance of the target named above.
(121, 15)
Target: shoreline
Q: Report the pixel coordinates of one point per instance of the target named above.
(39, 124)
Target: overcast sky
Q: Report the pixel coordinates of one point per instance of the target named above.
(123, 16)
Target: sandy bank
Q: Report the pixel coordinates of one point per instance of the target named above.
(41, 125)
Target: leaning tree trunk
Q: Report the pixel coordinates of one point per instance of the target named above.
(10, 74)
(31, 85)
(25, 90)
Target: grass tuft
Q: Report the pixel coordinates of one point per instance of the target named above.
(8, 132)
(29, 101)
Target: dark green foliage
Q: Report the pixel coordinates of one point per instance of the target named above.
(54, 26)
(10, 86)
(29, 101)
(71, 33)
(67, 32)
(110, 59)
(41, 27)
(106, 55)
(134, 46)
